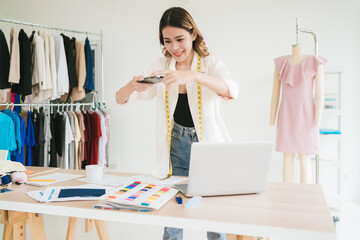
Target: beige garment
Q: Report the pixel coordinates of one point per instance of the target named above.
(14, 74)
(53, 71)
(47, 84)
(78, 92)
(77, 136)
(82, 138)
(5, 95)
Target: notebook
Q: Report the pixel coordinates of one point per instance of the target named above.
(227, 168)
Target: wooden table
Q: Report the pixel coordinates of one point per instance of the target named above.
(284, 211)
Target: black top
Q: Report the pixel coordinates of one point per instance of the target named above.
(4, 62)
(182, 114)
(53, 157)
(59, 129)
(25, 86)
(70, 59)
(41, 139)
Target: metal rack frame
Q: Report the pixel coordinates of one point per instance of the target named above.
(299, 29)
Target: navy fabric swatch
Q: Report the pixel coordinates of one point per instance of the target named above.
(81, 192)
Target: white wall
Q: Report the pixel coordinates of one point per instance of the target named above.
(247, 35)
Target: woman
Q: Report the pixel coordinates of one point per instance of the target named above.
(187, 99)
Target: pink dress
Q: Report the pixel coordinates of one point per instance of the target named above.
(296, 129)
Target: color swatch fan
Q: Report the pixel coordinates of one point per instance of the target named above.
(139, 195)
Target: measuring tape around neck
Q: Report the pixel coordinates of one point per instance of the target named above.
(168, 112)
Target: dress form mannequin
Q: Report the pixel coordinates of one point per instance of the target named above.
(295, 58)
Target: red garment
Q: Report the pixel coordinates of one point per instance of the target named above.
(95, 136)
(88, 138)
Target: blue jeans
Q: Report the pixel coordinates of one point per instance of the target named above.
(181, 140)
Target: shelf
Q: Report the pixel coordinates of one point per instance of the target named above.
(331, 136)
(329, 162)
(333, 111)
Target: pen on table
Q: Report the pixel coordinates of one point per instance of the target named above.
(178, 199)
(33, 184)
(41, 180)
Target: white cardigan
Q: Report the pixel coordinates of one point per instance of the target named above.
(214, 129)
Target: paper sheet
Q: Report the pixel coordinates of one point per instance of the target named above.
(51, 194)
(108, 180)
(58, 177)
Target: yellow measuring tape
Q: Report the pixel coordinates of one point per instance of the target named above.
(168, 112)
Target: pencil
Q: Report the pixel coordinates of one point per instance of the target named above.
(41, 180)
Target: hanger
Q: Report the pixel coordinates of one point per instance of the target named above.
(77, 107)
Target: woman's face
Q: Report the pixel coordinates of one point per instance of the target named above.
(178, 42)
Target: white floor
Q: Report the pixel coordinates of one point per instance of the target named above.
(347, 228)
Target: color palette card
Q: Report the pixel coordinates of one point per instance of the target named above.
(140, 195)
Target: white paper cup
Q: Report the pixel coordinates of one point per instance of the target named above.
(94, 172)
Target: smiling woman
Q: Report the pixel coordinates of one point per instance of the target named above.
(192, 84)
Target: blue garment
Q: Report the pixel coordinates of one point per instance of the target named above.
(181, 140)
(89, 80)
(30, 139)
(17, 101)
(7, 133)
(16, 122)
(19, 156)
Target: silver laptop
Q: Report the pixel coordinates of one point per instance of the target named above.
(227, 168)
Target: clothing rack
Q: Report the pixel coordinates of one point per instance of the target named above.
(72, 31)
(299, 29)
(94, 105)
(48, 27)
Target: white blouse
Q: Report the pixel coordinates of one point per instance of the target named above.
(214, 129)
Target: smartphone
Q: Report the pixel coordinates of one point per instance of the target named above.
(152, 80)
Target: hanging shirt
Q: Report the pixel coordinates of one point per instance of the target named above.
(61, 66)
(70, 60)
(78, 92)
(82, 138)
(77, 136)
(59, 133)
(4, 62)
(5, 95)
(47, 139)
(29, 140)
(20, 156)
(17, 101)
(14, 74)
(89, 81)
(39, 69)
(87, 117)
(102, 140)
(46, 87)
(53, 73)
(34, 150)
(7, 133)
(95, 136)
(72, 143)
(107, 124)
(25, 83)
(53, 157)
(16, 122)
(41, 140)
(68, 138)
